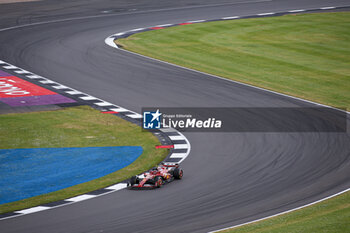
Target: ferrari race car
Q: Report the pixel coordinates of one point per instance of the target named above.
(156, 177)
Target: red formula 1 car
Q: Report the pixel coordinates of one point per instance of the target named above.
(156, 177)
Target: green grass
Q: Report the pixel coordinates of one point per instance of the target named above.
(331, 216)
(304, 55)
(76, 127)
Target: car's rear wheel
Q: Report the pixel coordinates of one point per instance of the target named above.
(178, 173)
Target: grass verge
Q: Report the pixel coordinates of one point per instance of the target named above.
(303, 55)
(76, 127)
(332, 215)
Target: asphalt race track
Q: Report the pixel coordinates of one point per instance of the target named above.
(230, 178)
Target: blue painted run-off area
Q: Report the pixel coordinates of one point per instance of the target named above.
(27, 173)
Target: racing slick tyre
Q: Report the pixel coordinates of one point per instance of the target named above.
(158, 182)
(178, 173)
(132, 181)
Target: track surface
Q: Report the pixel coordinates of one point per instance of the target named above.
(230, 178)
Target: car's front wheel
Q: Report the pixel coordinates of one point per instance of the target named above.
(178, 173)
(158, 182)
(132, 181)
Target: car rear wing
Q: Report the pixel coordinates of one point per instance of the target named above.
(170, 164)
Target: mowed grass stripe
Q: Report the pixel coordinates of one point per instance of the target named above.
(304, 55)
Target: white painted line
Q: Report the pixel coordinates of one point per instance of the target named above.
(167, 130)
(33, 210)
(47, 81)
(119, 109)
(268, 13)
(2, 62)
(103, 103)
(294, 11)
(164, 25)
(80, 198)
(188, 147)
(327, 8)
(74, 92)
(135, 115)
(177, 155)
(119, 34)
(110, 42)
(117, 186)
(180, 146)
(10, 67)
(284, 212)
(60, 87)
(176, 138)
(21, 71)
(34, 76)
(196, 21)
(231, 17)
(137, 29)
(89, 97)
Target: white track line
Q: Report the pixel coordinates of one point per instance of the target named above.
(180, 146)
(110, 41)
(135, 115)
(22, 71)
(196, 21)
(117, 187)
(89, 97)
(34, 76)
(60, 87)
(80, 198)
(119, 109)
(164, 25)
(294, 11)
(103, 103)
(231, 17)
(328, 8)
(10, 67)
(74, 92)
(47, 82)
(119, 34)
(188, 147)
(33, 210)
(176, 138)
(177, 155)
(268, 13)
(167, 130)
(136, 30)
